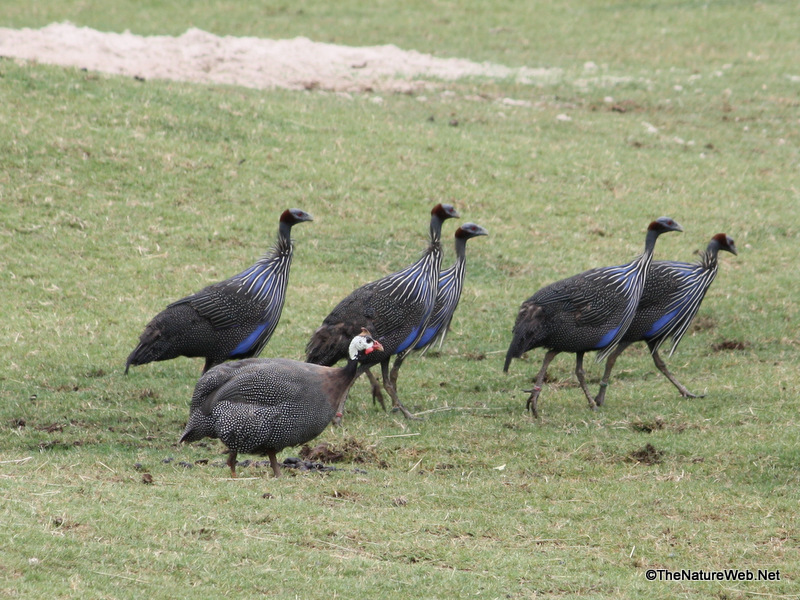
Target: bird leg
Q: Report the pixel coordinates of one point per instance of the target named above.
(377, 396)
(389, 384)
(273, 462)
(398, 362)
(581, 375)
(537, 388)
(663, 368)
(610, 361)
(337, 419)
(232, 462)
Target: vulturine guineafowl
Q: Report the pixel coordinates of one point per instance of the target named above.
(395, 308)
(448, 291)
(263, 405)
(670, 300)
(588, 311)
(448, 294)
(228, 320)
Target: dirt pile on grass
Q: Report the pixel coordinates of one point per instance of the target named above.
(202, 57)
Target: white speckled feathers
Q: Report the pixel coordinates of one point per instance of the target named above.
(253, 403)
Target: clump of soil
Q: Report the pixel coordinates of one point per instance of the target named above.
(704, 323)
(730, 345)
(52, 428)
(351, 450)
(656, 424)
(648, 426)
(647, 455)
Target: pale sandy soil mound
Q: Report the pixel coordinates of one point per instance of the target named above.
(298, 63)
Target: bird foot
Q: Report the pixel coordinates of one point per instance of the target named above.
(408, 415)
(232, 463)
(377, 398)
(273, 461)
(601, 394)
(688, 394)
(375, 387)
(531, 405)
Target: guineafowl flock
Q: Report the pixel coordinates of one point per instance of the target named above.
(396, 308)
(263, 405)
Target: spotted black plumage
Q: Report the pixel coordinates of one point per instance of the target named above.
(395, 308)
(670, 300)
(262, 406)
(589, 311)
(228, 320)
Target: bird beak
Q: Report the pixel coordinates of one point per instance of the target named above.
(376, 347)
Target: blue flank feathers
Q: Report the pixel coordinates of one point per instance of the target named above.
(408, 341)
(248, 342)
(607, 339)
(430, 333)
(662, 322)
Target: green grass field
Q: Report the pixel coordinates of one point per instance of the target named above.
(118, 196)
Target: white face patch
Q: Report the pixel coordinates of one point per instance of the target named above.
(358, 344)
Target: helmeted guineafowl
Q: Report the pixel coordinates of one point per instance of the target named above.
(588, 311)
(670, 300)
(448, 294)
(228, 320)
(263, 405)
(395, 308)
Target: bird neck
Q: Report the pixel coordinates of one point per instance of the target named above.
(708, 259)
(649, 247)
(461, 249)
(283, 245)
(436, 229)
(350, 368)
(431, 259)
(276, 261)
(285, 233)
(650, 241)
(344, 377)
(435, 247)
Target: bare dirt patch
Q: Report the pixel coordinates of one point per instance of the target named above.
(299, 63)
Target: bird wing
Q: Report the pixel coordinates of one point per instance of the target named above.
(210, 383)
(588, 308)
(393, 308)
(217, 303)
(592, 311)
(267, 382)
(261, 286)
(389, 315)
(367, 307)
